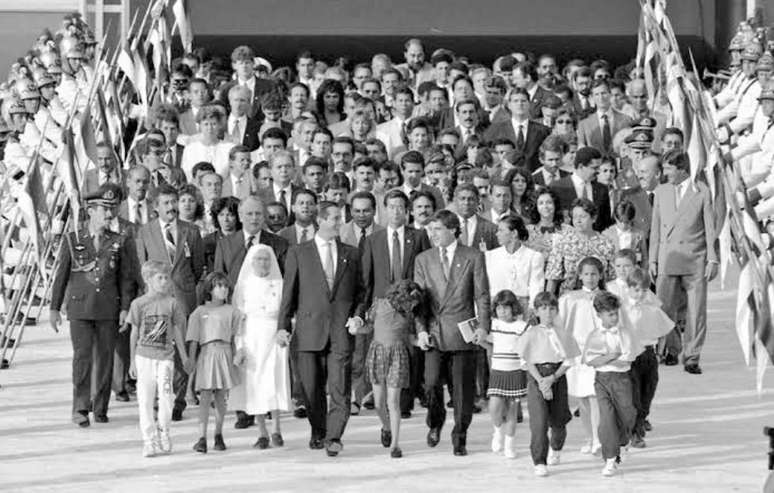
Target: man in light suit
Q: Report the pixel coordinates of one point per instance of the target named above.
(106, 171)
(393, 133)
(323, 291)
(598, 129)
(179, 244)
(239, 181)
(456, 285)
(526, 134)
(384, 264)
(230, 254)
(682, 254)
(363, 209)
(137, 208)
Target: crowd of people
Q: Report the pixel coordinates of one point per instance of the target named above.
(324, 239)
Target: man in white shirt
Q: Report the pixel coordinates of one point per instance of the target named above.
(303, 227)
(393, 132)
(136, 209)
(238, 183)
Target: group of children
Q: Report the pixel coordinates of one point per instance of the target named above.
(596, 343)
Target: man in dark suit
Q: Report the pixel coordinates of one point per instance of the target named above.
(475, 231)
(168, 121)
(106, 171)
(179, 244)
(551, 152)
(241, 129)
(281, 165)
(95, 271)
(682, 255)
(388, 257)
(462, 89)
(581, 104)
(304, 212)
(137, 208)
(455, 282)
(230, 254)
(526, 134)
(243, 65)
(238, 183)
(323, 291)
(598, 129)
(581, 184)
(413, 169)
(524, 76)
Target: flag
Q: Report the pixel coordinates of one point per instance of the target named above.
(183, 23)
(31, 199)
(126, 64)
(141, 76)
(86, 150)
(70, 176)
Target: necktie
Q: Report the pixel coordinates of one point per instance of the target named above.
(361, 241)
(520, 138)
(282, 196)
(584, 102)
(586, 195)
(328, 264)
(138, 214)
(170, 239)
(606, 138)
(445, 263)
(464, 232)
(650, 198)
(303, 236)
(250, 242)
(396, 269)
(236, 133)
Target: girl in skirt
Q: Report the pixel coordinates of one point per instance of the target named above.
(211, 331)
(387, 361)
(507, 378)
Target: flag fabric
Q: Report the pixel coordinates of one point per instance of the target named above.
(183, 23)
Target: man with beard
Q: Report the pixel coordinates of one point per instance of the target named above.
(416, 67)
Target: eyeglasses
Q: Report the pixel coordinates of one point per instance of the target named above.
(564, 122)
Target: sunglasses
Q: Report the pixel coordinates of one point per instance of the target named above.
(564, 122)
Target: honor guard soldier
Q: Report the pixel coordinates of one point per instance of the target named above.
(94, 271)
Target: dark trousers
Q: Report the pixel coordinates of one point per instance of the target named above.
(616, 411)
(461, 365)
(316, 370)
(93, 345)
(543, 414)
(360, 383)
(482, 373)
(644, 375)
(296, 391)
(179, 382)
(416, 373)
(121, 362)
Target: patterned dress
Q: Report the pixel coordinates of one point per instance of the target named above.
(570, 247)
(541, 238)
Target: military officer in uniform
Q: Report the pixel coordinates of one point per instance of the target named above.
(94, 270)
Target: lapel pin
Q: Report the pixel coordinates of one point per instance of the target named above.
(80, 247)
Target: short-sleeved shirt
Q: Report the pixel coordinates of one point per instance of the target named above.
(156, 320)
(505, 344)
(210, 323)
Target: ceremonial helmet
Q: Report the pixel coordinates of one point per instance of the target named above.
(752, 52)
(765, 62)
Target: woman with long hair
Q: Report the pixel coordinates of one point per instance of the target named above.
(330, 102)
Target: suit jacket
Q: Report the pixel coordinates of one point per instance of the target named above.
(376, 264)
(251, 136)
(123, 210)
(91, 180)
(261, 88)
(188, 264)
(243, 189)
(348, 235)
(230, 252)
(564, 189)
(540, 181)
(290, 235)
(446, 119)
(536, 134)
(590, 133)
(486, 232)
(643, 210)
(682, 236)
(178, 155)
(577, 108)
(267, 194)
(456, 299)
(321, 312)
(536, 102)
(98, 283)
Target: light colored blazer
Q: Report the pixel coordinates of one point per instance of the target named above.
(682, 235)
(348, 236)
(590, 133)
(243, 190)
(456, 299)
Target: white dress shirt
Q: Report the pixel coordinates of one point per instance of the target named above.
(256, 237)
(232, 120)
(524, 124)
(521, 272)
(581, 187)
(288, 193)
(132, 206)
(472, 224)
(322, 249)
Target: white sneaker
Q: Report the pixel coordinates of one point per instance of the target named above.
(587, 448)
(497, 439)
(165, 443)
(148, 449)
(596, 449)
(553, 457)
(610, 468)
(509, 447)
(541, 470)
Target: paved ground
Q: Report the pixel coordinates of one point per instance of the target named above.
(707, 437)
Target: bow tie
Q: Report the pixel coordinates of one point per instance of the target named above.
(611, 331)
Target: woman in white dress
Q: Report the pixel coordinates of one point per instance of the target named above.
(208, 146)
(263, 364)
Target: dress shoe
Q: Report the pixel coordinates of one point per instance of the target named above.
(241, 424)
(449, 404)
(460, 450)
(177, 414)
(122, 396)
(131, 387)
(368, 405)
(101, 418)
(386, 438)
(396, 453)
(219, 443)
(693, 369)
(81, 418)
(333, 448)
(670, 359)
(637, 441)
(277, 440)
(4, 364)
(405, 414)
(201, 446)
(648, 426)
(300, 412)
(7, 342)
(433, 437)
(316, 444)
(262, 443)
(476, 409)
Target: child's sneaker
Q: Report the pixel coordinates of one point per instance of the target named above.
(165, 443)
(553, 457)
(148, 449)
(497, 439)
(596, 449)
(587, 448)
(509, 447)
(610, 469)
(541, 470)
